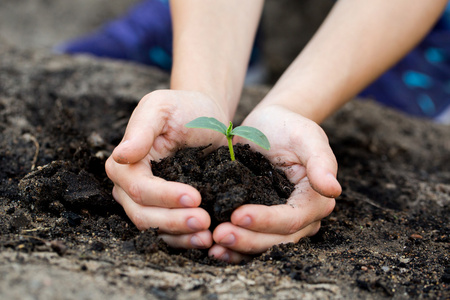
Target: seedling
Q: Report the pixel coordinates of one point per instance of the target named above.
(247, 132)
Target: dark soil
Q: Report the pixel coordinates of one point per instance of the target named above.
(62, 236)
(224, 184)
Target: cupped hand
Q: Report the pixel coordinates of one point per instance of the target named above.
(300, 148)
(156, 130)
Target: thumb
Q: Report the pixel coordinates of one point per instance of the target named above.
(131, 150)
(321, 171)
(320, 163)
(144, 126)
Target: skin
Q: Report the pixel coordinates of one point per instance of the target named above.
(358, 41)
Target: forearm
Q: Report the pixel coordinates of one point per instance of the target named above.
(358, 41)
(212, 45)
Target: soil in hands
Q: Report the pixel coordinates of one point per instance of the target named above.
(388, 236)
(224, 184)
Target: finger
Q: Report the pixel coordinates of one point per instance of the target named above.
(146, 123)
(224, 254)
(284, 219)
(321, 165)
(250, 242)
(199, 240)
(321, 171)
(172, 221)
(145, 189)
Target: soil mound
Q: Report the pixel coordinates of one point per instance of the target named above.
(60, 229)
(224, 184)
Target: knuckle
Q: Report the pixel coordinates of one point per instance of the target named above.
(109, 166)
(294, 225)
(171, 227)
(114, 193)
(148, 98)
(315, 227)
(329, 207)
(319, 131)
(251, 248)
(151, 99)
(138, 220)
(158, 99)
(164, 201)
(135, 192)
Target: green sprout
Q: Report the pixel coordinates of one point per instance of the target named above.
(247, 132)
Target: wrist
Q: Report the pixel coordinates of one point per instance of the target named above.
(217, 94)
(312, 103)
(211, 47)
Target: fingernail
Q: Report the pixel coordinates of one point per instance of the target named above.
(245, 221)
(118, 156)
(228, 240)
(194, 224)
(197, 242)
(330, 175)
(187, 201)
(123, 143)
(225, 257)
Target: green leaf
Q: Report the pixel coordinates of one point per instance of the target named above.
(208, 123)
(252, 134)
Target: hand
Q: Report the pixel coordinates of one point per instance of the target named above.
(156, 130)
(299, 147)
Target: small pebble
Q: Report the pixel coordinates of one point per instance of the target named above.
(416, 236)
(58, 247)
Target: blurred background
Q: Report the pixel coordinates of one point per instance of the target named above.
(287, 25)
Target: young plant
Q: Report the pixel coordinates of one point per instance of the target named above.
(247, 132)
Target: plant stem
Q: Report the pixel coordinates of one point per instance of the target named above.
(230, 146)
(230, 140)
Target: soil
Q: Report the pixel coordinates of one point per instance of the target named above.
(62, 236)
(224, 184)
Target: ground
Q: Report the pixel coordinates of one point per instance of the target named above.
(62, 236)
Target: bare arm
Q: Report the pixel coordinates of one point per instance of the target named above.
(212, 44)
(358, 41)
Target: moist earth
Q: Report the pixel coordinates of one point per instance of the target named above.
(62, 236)
(224, 184)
